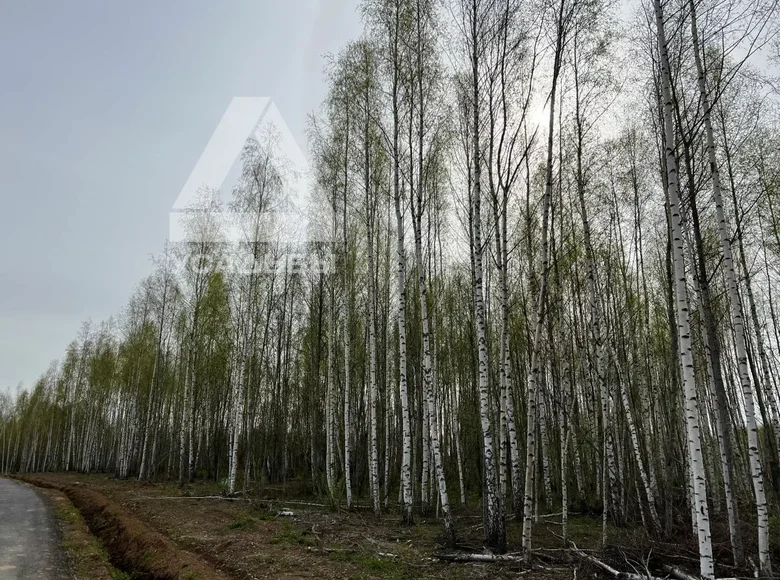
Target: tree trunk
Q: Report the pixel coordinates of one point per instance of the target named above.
(698, 477)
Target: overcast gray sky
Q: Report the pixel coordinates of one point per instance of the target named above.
(105, 108)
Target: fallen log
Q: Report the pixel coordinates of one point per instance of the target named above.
(480, 558)
(683, 575)
(291, 502)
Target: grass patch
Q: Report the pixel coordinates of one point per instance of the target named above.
(290, 535)
(241, 524)
(371, 565)
(375, 564)
(261, 511)
(586, 528)
(88, 558)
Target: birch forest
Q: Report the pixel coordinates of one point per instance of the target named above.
(549, 286)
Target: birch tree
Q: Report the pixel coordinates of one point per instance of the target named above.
(695, 457)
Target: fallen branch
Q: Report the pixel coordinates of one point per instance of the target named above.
(755, 568)
(222, 497)
(292, 502)
(480, 558)
(555, 515)
(609, 569)
(679, 574)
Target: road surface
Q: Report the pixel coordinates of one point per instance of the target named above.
(29, 539)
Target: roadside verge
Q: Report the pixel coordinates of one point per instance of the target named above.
(132, 546)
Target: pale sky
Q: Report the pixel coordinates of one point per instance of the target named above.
(105, 108)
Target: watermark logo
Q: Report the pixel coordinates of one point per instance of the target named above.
(274, 217)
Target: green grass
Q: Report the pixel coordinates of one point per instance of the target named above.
(372, 566)
(84, 555)
(586, 528)
(241, 524)
(292, 536)
(259, 511)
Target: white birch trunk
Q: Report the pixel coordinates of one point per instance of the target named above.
(389, 407)
(330, 452)
(406, 456)
(388, 413)
(756, 468)
(347, 421)
(405, 489)
(147, 428)
(545, 440)
(183, 425)
(698, 478)
(533, 375)
(238, 412)
(563, 433)
(725, 459)
(374, 456)
(637, 449)
(346, 322)
(431, 414)
(495, 526)
(762, 355)
(456, 435)
(426, 454)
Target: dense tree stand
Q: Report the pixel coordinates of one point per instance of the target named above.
(531, 297)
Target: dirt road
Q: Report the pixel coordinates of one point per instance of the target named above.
(29, 540)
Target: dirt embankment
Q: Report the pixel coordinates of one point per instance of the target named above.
(132, 546)
(87, 558)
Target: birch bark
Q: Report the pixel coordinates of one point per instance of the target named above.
(540, 306)
(737, 314)
(698, 477)
(495, 526)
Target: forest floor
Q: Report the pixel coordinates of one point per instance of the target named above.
(248, 537)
